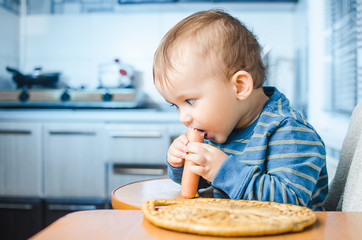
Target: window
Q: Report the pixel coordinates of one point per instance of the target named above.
(11, 5)
(343, 54)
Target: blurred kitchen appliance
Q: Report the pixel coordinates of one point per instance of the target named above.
(73, 98)
(115, 74)
(37, 78)
(67, 95)
(41, 90)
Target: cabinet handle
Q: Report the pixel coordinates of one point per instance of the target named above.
(86, 133)
(18, 132)
(138, 171)
(72, 207)
(135, 134)
(16, 206)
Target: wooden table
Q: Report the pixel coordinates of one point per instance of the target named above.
(130, 224)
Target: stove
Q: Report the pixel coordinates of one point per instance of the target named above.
(72, 98)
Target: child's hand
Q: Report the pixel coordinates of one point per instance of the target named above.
(176, 152)
(208, 159)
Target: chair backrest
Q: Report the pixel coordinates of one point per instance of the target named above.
(345, 192)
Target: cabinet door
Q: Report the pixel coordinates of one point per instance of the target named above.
(74, 160)
(20, 218)
(175, 130)
(55, 208)
(20, 159)
(137, 143)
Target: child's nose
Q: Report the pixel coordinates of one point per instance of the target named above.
(185, 117)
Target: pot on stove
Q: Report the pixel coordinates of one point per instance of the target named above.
(37, 78)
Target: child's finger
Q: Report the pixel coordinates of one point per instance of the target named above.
(197, 169)
(179, 145)
(176, 153)
(196, 158)
(195, 147)
(175, 161)
(180, 140)
(183, 139)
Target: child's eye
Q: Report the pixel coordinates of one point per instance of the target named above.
(173, 105)
(190, 101)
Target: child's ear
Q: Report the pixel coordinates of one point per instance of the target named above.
(243, 83)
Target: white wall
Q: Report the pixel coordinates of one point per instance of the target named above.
(76, 44)
(9, 46)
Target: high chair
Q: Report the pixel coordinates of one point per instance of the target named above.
(345, 193)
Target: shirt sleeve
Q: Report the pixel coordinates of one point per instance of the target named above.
(174, 173)
(285, 169)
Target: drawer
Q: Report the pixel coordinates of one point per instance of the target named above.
(20, 218)
(54, 208)
(121, 174)
(137, 143)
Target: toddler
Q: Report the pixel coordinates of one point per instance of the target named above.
(256, 146)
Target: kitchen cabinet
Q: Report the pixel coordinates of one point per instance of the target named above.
(175, 130)
(134, 152)
(56, 208)
(122, 174)
(20, 218)
(53, 162)
(137, 151)
(73, 160)
(71, 154)
(20, 159)
(137, 143)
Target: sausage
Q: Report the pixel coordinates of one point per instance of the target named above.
(190, 180)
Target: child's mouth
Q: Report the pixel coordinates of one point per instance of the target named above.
(203, 133)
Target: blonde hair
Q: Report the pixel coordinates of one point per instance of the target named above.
(217, 32)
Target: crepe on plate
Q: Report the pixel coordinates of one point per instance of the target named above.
(226, 217)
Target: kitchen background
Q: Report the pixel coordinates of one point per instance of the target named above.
(312, 47)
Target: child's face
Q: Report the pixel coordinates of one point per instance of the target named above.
(205, 100)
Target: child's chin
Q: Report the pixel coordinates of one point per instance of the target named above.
(218, 140)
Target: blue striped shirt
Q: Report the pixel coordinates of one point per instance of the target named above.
(278, 158)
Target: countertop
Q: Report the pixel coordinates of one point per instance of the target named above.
(73, 105)
(89, 115)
